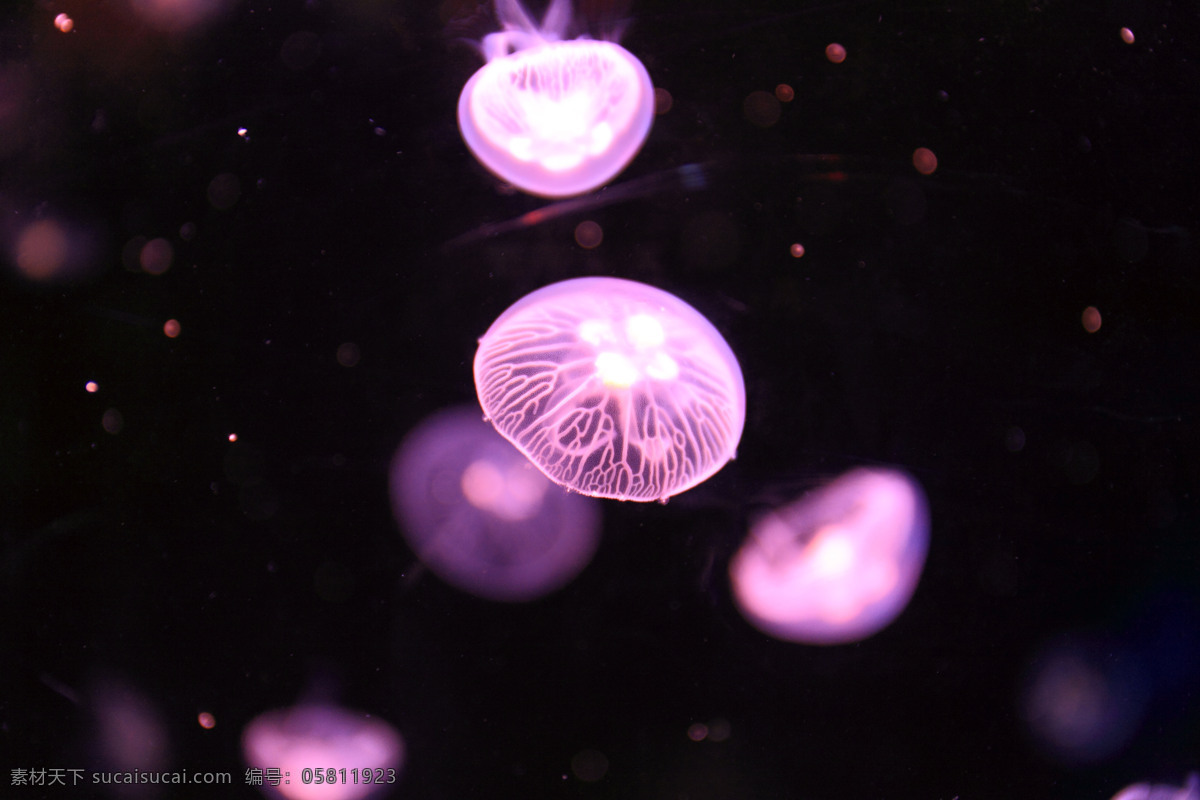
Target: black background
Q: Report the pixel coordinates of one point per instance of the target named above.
(932, 323)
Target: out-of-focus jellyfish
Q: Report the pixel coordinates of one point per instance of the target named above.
(1161, 791)
(612, 388)
(1084, 699)
(322, 752)
(481, 517)
(554, 118)
(130, 735)
(837, 565)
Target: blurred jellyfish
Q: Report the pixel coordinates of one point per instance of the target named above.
(612, 388)
(481, 517)
(839, 564)
(1084, 699)
(323, 752)
(1159, 791)
(554, 118)
(130, 733)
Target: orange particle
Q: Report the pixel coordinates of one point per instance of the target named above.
(796, 250)
(171, 328)
(662, 101)
(1091, 319)
(1126, 36)
(785, 93)
(64, 23)
(835, 53)
(233, 437)
(206, 720)
(924, 160)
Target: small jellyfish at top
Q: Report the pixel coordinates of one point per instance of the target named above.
(612, 388)
(554, 117)
(837, 565)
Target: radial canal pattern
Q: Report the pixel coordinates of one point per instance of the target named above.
(612, 388)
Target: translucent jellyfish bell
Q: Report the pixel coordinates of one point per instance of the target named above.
(323, 752)
(612, 388)
(1158, 791)
(554, 118)
(481, 517)
(837, 565)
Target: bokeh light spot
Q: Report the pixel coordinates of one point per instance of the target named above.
(796, 250)
(835, 53)
(206, 720)
(92, 387)
(112, 421)
(64, 23)
(1091, 319)
(156, 256)
(662, 101)
(42, 250)
(924, 160)
(348, 354)
(761, 108)
(172, 328)
(1082, 701)
(224, 191)
(1127, 36)
(588, 234)
(785, 93)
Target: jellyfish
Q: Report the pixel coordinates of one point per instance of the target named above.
(1158, 791)
(612, 388)
(554, 117)
(837, 565)
(481, 517)
(322, 752)
(1084, 698)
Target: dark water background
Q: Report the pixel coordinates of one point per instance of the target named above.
(933, 323)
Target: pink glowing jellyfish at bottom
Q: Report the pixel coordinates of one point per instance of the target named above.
(1159, 791)
(323, 752)
(837, 565)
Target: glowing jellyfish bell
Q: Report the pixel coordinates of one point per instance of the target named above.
(837, 565)
(481, 517)
(1159, 791)
(554, 118)
(612, 388)
(323, 752)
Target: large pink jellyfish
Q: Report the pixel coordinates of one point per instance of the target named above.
(481, 517)
(554, 118)
(612, 388)
(323, 752)
(837, 565)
